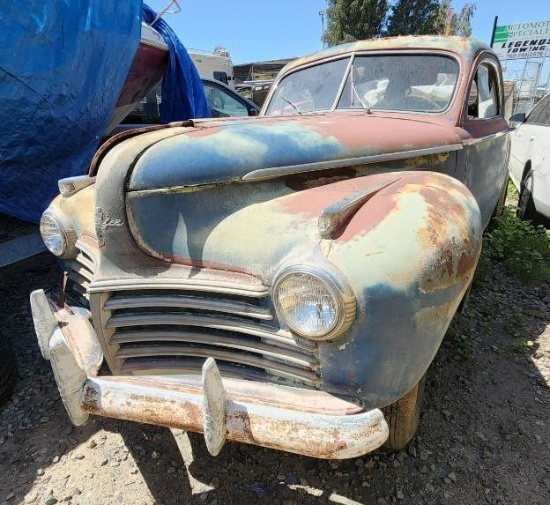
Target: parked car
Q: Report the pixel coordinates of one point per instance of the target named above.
(530, 161)
(284, 280)
(222, 100)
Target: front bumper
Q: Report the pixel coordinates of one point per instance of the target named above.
(302, 421)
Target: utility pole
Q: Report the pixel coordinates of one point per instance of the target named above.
(322, 14)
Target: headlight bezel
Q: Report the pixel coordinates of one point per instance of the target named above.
(337, 288)
(67, 235)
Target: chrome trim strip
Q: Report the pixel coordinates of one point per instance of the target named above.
(144, 366)
(233, 354)
(149, 337)
(334, 216)
(272, 173)
(218, 323)
(86, 263)
(492, 136)
(188, 302)
(79, 269)
(88, 253)
(224, 287)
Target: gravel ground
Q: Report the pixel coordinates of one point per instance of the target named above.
(484, 435)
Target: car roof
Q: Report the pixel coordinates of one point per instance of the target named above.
(467, 47)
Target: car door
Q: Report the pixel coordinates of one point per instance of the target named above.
(526, 138)
(487, 140)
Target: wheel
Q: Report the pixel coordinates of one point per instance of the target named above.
(8, 370)
(526, 207)
(403, 417)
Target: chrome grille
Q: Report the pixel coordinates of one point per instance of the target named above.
(79, 274)
(149, 331)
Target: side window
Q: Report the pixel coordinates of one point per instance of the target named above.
(221, 102)
(484, 100)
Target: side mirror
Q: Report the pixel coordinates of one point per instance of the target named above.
(517, 118)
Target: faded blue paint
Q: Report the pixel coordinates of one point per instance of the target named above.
(229, 152)
(386, 351)
(223, 232)
(224, 153)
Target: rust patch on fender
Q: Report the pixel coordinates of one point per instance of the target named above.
(466, 263)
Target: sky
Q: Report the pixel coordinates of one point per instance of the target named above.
(257, 30)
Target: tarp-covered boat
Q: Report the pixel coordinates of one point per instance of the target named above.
(69, 71)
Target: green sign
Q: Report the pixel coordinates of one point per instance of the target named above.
(522, 40)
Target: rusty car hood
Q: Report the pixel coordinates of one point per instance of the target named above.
(217, 152)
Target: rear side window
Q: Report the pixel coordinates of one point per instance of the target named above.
(484, 99)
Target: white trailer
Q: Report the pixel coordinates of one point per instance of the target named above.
(214, 65)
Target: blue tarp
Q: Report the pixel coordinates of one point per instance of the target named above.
(182, 90)
(62, 67)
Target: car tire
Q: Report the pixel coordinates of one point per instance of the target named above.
(526, 206)
(8, 370)
(403, 417)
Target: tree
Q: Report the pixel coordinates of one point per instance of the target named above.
(413, 17)
(350, 20)
(454, 23)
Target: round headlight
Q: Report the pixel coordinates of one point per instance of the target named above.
(57, 238)
(312, 303)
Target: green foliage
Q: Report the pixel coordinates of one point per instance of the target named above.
(522, 344)
(512, 322)
(350, 20)
(522, 248)
(462, 342)
(413, 17)
(512, 192)
(449, 22)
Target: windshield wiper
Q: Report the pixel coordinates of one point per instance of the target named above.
(294, 106)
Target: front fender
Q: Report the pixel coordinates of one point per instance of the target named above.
(409, 254)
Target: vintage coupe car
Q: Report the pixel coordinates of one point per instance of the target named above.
(282, 280)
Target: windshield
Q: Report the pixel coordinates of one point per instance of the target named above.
(414, 83)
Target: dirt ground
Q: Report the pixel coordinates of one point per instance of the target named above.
(484, 435)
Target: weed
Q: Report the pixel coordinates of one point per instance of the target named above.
(511, 192)
(461, 341)
(522, 248)
(513, 322)
(522, 344)
(464, 346)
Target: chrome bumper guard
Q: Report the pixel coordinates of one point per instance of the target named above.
(308, 422)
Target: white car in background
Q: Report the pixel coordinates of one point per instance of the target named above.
(529, 164)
